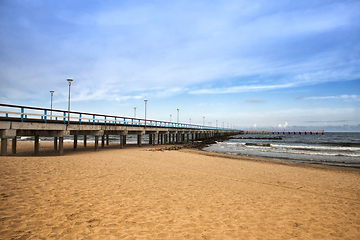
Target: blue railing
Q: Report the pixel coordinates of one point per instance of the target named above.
(24, 113)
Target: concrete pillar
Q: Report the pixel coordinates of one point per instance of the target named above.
(121, 141)
(124, 140)
(102, 141)
(139, 140)
(3, 146)
(55, 143)
(159, 137)
(85, 140)
(37, 145)
(96, 143)
(75, 141)
(107, 140)
(61, 146)
(14, 145)
(150, 139)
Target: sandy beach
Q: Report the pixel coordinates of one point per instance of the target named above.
(138, 193)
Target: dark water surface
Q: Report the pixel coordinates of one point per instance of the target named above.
(339, 149)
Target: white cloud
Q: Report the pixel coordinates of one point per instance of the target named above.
(254, 100)
(246, 88)
(344, 97)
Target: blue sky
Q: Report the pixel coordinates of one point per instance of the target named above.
(263, 64)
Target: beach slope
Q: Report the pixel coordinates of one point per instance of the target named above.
(139, 193)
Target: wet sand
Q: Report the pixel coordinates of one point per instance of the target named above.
(135, 193)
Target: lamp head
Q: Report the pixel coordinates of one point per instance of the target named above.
(70, 80)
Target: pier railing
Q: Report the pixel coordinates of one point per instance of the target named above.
(46, 115)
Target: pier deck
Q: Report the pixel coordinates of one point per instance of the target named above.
(17, 121)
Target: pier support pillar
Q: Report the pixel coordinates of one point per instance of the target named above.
(75, 141)
(124, 140)
(55, 143)
(121, 141)
(96, 143)
(3, 146)
(150, 139)
(102, 141)
(37, 146)
(85, 139)
(61, 145)
(4, 135)
(107, 140)
(139, 140)
(14, 145)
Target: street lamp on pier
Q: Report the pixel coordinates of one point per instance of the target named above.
(178, 117)
(134, 112)
(145, 110)
(69, 80)
(52, 94)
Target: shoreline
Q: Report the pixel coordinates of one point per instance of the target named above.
(149, 193)
(25, 148)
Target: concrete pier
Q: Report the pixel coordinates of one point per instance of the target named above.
(35, 122)
(11, 130)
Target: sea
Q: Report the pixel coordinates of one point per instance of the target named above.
(330, 148)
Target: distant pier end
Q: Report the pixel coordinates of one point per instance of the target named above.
(284, 132)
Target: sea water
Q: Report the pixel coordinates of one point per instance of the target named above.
(330, 148)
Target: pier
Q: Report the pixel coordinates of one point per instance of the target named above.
(284, 132)
(19, 121)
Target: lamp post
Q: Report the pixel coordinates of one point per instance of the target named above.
(170, 117)
(134, 112)
(178, 117)
(203, 121)
(52, 94)
(69, 80)
(190, 121)
(145, 110)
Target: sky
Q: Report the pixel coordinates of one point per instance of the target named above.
(256, 64)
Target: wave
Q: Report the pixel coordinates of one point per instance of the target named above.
(318, 148)
(258, 144)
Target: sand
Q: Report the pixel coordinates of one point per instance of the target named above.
(135, 193)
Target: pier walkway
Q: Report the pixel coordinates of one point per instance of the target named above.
(17, 121)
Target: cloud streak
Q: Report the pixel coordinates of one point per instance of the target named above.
(344, 97)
